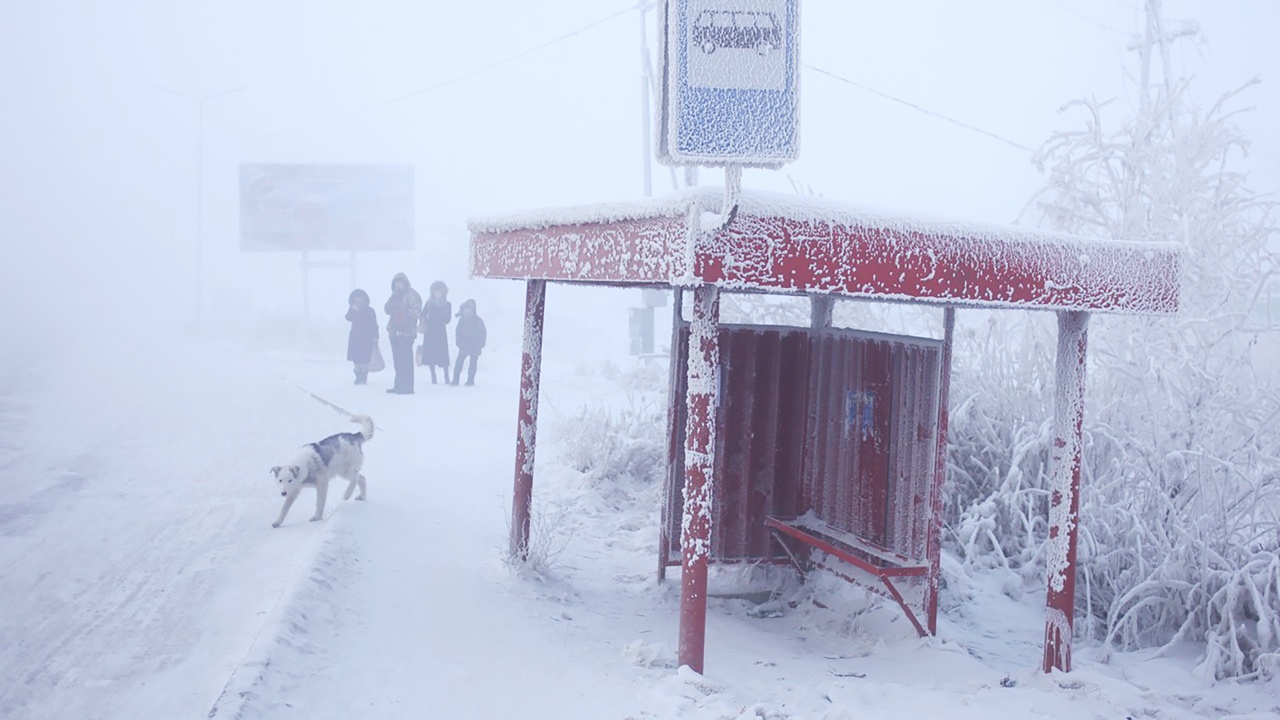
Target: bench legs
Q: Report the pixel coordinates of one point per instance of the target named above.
(799, 558)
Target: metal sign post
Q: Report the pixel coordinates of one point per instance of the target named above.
(729, 98)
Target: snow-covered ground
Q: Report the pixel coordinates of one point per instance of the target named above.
(140, 576)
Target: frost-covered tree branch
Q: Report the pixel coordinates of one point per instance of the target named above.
(1180, 537)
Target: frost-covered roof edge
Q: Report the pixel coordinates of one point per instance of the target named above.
(793, 207)
(788, 243)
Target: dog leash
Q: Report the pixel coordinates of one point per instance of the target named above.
(328, 403)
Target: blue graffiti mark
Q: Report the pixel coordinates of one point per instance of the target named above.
(860, 411)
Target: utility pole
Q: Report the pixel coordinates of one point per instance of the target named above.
(199, 251)
(646, 82)
(641, 320)
(1158, 36)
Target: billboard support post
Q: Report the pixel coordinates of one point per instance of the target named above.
(307, 265)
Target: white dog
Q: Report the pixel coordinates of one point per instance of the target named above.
(316, 464)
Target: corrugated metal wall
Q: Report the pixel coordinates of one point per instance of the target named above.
(760, 426)
(835, 421)
(847, 458)
(911, 459)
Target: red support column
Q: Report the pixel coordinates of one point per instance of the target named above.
(699, 453)
(933, 543)
(527, 420)
(1064, 488)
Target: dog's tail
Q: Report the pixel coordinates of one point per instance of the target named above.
(366, 426)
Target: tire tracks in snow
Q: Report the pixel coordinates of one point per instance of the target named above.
(137, 562)
(300, 607)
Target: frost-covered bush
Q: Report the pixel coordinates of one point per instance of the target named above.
(1180, 507)
(618, 456)
(551, 529)
(609, 444)
(996, 500)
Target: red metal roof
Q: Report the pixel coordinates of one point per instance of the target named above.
(791, 244)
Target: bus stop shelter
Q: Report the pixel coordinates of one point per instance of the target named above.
(819, 439)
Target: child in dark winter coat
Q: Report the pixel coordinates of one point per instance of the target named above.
(363, 337)
(470, 337)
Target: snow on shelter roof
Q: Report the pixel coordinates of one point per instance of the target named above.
(796, 244)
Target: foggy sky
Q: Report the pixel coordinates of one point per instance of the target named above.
(97, 165)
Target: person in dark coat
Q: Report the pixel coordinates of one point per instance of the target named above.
(436, 314)
(402, 308)
(363, 337)
(470, 336)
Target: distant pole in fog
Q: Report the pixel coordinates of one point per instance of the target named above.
(646, 82)
(640, 323)
(200, 101)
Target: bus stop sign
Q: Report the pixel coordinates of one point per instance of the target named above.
(731, 75)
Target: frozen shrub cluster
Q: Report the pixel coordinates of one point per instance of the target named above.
(1180, 503)
(996, 500)
(619, 454)
(607, 444)
(551, 529)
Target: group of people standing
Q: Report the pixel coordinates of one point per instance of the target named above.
(407, 317)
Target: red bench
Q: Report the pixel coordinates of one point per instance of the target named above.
(884, 565)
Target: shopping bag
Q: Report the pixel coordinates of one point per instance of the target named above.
(376, 362)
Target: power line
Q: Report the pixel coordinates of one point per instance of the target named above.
(578, 31)
(1259, 140)
(1090, 20)
(1265, 150)
(914, 106)
(445, 83)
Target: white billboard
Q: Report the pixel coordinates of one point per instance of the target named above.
(326, 207)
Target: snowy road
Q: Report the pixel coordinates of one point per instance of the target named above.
(410, 611)
(136, 561)
(140, 576)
